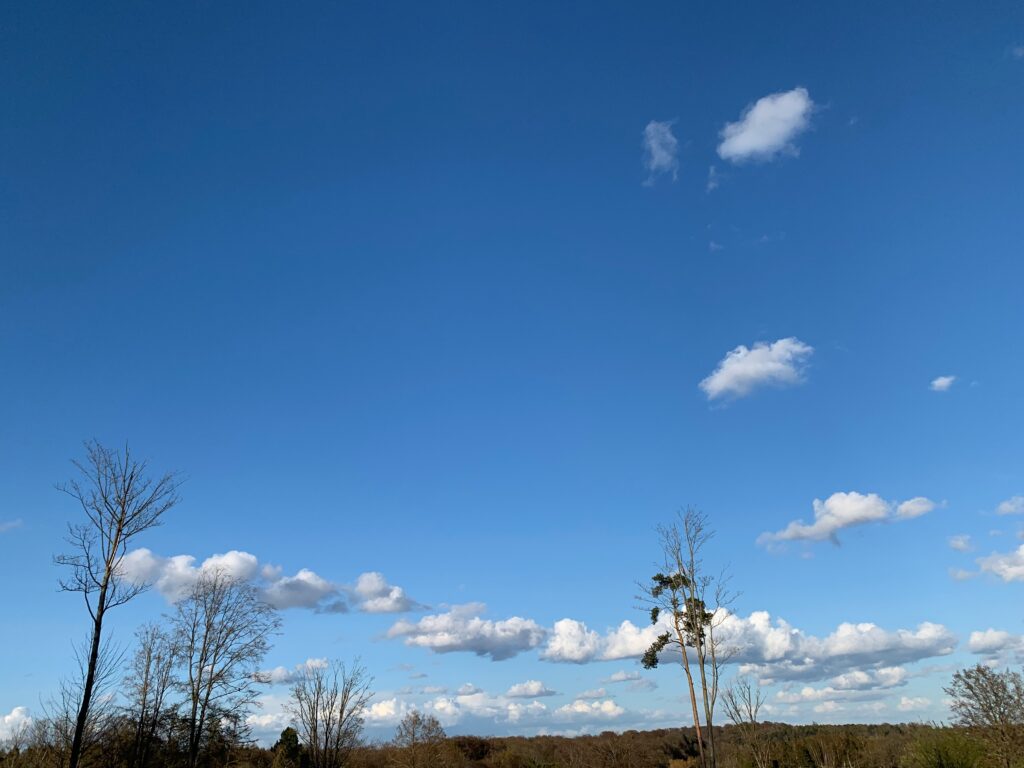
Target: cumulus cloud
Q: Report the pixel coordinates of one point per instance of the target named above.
(593, 693)
(15, 721)
(961, 542)
(844, 510)
(1012, 506)
(767, 127)
(375, 595)
(621, 677)
(994, 642)
(462, 629)
(286, 676)
(531, 689)
(1008, 566)
(772, 649)
(175, 576)
(661, 150)
(942, 383)
(582, 709)
(744, 369)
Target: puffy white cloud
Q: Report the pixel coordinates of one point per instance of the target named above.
(1008, 566)
(843, 510)
(386, 712)
(305, 589)
(572, 641)
(531, 689)
(661, 150)
(462, 629)
(375, 595)
(914, 507)
(286, 676)
(174, 576)
(1012, 506)
(772, 649)
(581, 709)
(767, 127)
(741, 371)
(15, 721)
(997, 646)
(961, 542)
(467, 689)
(942, 383)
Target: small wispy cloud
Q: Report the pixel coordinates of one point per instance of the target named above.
(661, 151)
(1017, 51)
(744, 369)
(10, 525)
(942, 383)
(714, 179)
(1011, 506)
(961, 542)
(767, 127)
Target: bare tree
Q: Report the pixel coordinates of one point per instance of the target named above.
(419, 739)
(991, 704)
(120, 502)
(61, 710)
(222, 631)
(696, 604)
(328, 703)
(147, 685)
(742, 702)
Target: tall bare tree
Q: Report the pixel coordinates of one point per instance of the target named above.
(222, 631)
(120, 501)
(147, 686)
(328, 703)
(696, 604)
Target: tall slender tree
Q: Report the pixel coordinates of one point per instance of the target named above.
(120, 501)
(694, 604)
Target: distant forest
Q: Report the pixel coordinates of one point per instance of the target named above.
(182, 696)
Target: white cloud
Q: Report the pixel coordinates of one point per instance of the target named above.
(375, 595)
(531, 689)
(622, 677)
(913, 704)
(959, 574)
(461, 629)
(992, 641)
(286, 676)
(1012, 506)
(1008, 566)
(961, 542)
(772, 649)
(586, 710)
(780, 363)
(14, 722)
(843, 510)
(386, 712)
(10, 525)
(767, 127)
(914, 507)
(467, 689)
(941, 383)
(714, 179)
(661, 150)
(174, 576)
(593, 693)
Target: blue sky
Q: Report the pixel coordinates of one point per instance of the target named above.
(431, 292)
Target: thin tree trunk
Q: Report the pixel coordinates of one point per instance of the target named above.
(90, 681)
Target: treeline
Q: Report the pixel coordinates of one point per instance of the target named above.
(420, 742)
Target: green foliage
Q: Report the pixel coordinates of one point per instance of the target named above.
(650, 657)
